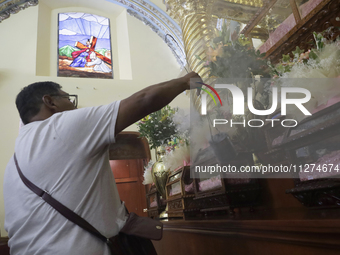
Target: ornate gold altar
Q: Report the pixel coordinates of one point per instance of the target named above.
(198, 20)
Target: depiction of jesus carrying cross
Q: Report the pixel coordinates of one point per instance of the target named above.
(90, 47)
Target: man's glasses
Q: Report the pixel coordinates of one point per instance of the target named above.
(72, 98)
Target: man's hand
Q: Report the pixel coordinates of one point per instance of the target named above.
(193, 80)
(153, 98)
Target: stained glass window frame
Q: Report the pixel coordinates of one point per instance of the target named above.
(95, 65)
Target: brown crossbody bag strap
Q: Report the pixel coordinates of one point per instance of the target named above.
(66, 212)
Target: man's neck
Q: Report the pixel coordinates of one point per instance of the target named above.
(42, 115)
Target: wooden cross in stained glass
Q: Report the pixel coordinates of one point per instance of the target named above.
(92, 46)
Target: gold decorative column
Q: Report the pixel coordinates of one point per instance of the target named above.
(197, 31)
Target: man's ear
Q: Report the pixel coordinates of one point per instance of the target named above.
(49, 102)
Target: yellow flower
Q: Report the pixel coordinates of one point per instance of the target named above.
(146, 118)
(164, 118)
(212, 54)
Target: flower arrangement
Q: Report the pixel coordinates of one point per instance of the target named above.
(147, 173)
(158, 127)
(177, 157)
(322, 61)
(168, 128)
(235, 58)
(228, 58)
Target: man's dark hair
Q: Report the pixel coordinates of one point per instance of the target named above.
(29, 100)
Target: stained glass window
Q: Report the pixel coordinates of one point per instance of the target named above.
(84, 46)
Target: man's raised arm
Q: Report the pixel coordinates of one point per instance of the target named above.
(151, 99)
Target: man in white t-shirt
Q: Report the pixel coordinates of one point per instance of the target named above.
(65, 152)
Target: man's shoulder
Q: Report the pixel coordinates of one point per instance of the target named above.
(83, 116)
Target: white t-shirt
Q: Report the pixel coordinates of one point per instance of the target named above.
(66, 155)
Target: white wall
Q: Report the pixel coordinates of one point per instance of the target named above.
(150, 59)
(123, 43)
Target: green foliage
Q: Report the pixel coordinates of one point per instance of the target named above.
(231, 57)
(234, 59)
(313, 55)
(301, 56)
(245, 41)
(319, 40)
(158, 127)
(297, 52)
(66, 51)
(285, 58)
